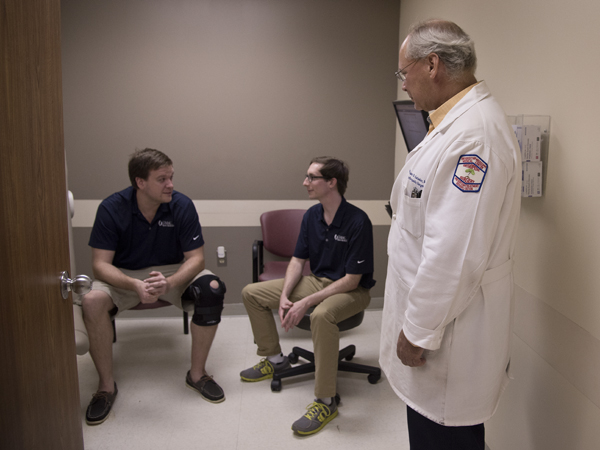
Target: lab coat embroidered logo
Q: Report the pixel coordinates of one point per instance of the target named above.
(470, 173)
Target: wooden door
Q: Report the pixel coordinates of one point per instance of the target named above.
(39, 392)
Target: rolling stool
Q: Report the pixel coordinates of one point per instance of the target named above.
(346, 354)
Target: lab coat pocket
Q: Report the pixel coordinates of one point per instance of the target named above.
(411, 216)
(396, 297)
(396, 293)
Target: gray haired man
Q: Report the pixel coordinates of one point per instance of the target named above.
(447, 313)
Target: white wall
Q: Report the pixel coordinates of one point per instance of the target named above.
(541, 58)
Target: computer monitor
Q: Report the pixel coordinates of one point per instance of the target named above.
(413, 123)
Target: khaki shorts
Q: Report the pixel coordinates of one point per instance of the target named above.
(125, 299)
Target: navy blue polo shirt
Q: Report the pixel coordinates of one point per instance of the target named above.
(122, 228)
(345, 246)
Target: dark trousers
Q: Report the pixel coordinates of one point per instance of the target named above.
(425, 434)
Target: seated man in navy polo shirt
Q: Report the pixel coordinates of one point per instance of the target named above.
(337, 239)
(147, 245)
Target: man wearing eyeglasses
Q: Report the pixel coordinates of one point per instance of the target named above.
(446, 323)
(337, 240)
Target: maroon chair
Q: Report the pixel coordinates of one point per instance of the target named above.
(280, 230)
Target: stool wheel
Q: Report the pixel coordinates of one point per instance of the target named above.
(293, 358)
(372, 378)
(276, 385)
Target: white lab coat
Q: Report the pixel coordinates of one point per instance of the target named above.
(449, 282)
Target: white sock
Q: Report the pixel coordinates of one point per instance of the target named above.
(276, 359)
(327, 400)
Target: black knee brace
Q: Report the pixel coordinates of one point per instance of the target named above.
(208, 301)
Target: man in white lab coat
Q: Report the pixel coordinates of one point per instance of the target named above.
(447, 314)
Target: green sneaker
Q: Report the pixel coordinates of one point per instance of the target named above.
(318, 415)
(264, 370)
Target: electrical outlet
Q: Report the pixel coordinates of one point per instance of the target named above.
(221, 256)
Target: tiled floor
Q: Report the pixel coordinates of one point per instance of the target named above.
(154, 409)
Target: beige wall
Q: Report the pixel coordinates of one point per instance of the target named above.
(241, 94)
(541, 58)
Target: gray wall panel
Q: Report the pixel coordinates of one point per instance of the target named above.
(241, 94)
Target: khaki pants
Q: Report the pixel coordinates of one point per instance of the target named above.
(125, 299)
(261, 298)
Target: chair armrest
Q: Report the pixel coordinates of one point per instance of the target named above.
(257, 259)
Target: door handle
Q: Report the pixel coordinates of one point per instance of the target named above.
(80, 285)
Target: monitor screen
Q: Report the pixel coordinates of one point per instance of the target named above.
(413, 123)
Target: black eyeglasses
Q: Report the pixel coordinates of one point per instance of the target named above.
(401, 76)
(311, 178)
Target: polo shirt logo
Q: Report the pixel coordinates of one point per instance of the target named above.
(339, 238)
(165, 223)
